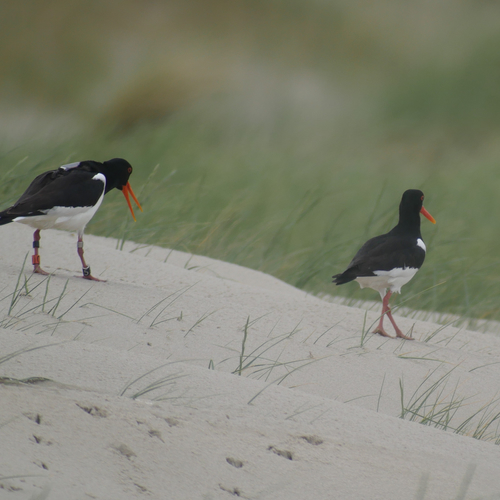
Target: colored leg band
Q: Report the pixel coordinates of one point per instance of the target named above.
(35, 259)
(79, 244)
(36, 244)
(86, 271)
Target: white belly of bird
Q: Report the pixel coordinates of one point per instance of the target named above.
(67, 218)
(392, 280)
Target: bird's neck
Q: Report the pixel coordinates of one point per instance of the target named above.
(110, 179)
(409, 223)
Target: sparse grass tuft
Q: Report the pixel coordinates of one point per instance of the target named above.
(157, 384)
(257, 363)
(436, 405)
(11, 355)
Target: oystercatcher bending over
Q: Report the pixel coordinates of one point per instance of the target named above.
(67, 198)
(387, 262)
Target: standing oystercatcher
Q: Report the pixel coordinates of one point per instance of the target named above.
(387, 262)
(67, 198)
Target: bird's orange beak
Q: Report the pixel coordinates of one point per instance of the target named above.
(424, 212)
(126, 190)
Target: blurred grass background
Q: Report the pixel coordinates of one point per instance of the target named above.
(275, 134)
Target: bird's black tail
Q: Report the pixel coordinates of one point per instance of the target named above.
(345, 277)
(5, 218)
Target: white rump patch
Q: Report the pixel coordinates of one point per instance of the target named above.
(421, 244)
(392, 280)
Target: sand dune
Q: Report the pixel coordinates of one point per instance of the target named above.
(140, 387)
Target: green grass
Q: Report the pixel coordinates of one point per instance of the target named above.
(280, 144)
(266, 205)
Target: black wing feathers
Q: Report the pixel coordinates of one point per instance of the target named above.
(383, 253)
(66, 188)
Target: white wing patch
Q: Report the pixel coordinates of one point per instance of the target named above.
(421, 244)
(69, 166)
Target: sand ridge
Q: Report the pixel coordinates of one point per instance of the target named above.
(136, 391)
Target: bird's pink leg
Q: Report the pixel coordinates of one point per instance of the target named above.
(385, 307)
(399, 333)
(35, 259)
(387, 310)
(86, 269)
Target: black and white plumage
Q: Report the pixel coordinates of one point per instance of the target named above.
(387, 262)
(67, 198)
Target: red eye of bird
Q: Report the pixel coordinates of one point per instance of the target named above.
(130, 170)
(422, 198)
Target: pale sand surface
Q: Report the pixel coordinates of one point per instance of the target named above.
(197, 430)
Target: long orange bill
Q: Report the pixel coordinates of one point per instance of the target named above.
(424, 212)
(126, 190)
